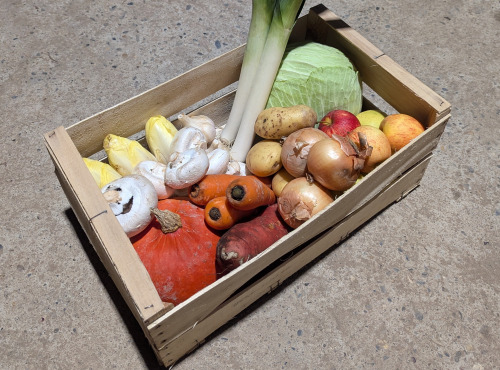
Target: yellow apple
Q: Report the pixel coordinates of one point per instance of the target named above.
(377, 140)
(400, 129)
(371, 117)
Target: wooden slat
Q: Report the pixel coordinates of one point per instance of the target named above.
(388, 79)
(167, 99)
(199, 306)
(102, 228)
(218, 110)
(175, 332)
(195, 335)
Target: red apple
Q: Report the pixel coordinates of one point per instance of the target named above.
(339, 122)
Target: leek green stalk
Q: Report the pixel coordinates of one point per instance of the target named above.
(284, 15)
(262, 13)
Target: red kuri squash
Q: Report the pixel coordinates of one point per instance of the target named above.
(180, 261)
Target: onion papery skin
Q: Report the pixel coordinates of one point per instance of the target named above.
(335, 163)
(295, 149)
(301, 199)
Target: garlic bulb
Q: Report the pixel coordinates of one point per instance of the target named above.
(219, 159)
(186, 168)
(131, 199)
(160, 133)
(236, 168)
(187, 138)
(216, 143)
(201, 122)
(155, 172)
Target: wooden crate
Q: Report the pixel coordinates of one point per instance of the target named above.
(174, 332)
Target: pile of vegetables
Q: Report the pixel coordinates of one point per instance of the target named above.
(204, 198)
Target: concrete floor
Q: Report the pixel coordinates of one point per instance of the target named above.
(417, 287)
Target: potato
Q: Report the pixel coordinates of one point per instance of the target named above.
(280, 179)
(264, 158)
(276, 122)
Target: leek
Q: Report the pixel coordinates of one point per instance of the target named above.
(285, 13)
(262, 13)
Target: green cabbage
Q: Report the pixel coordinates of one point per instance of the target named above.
(318, 76)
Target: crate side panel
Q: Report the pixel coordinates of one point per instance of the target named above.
(190, 339)
(167, 99)
(201, 304)
(102, 228)
(299, 30)
(393, 83)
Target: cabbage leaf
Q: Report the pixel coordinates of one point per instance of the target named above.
(319, 76)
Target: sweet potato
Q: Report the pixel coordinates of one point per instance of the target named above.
(246, 239)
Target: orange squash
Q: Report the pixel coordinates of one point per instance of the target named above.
(180, 260)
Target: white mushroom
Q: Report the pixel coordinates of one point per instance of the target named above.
(186, 168)
(155, 172)
(219, 159)
(131, 199)
(187, 138)
(201, 122)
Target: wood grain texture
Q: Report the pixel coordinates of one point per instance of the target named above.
(195, 335)
(102, 228)
(167, 99)
(175, 331)
(199, 306)
(387, 78)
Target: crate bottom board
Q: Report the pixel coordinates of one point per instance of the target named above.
(169, 353)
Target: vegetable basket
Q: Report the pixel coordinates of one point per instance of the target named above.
(175, 331)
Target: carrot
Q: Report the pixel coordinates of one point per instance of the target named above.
(249, 192)
(246, 239)
(221, 215)
(211, 186)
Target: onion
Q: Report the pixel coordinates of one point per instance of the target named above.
(337, 162)
(301, 199)
(296, 148)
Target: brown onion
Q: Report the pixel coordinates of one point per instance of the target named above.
(301, 199)
(296, 148)
(337, 162)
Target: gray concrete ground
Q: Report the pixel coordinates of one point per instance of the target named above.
(417, 287)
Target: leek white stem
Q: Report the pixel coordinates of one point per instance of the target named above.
(285, 14)
(262, 12)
